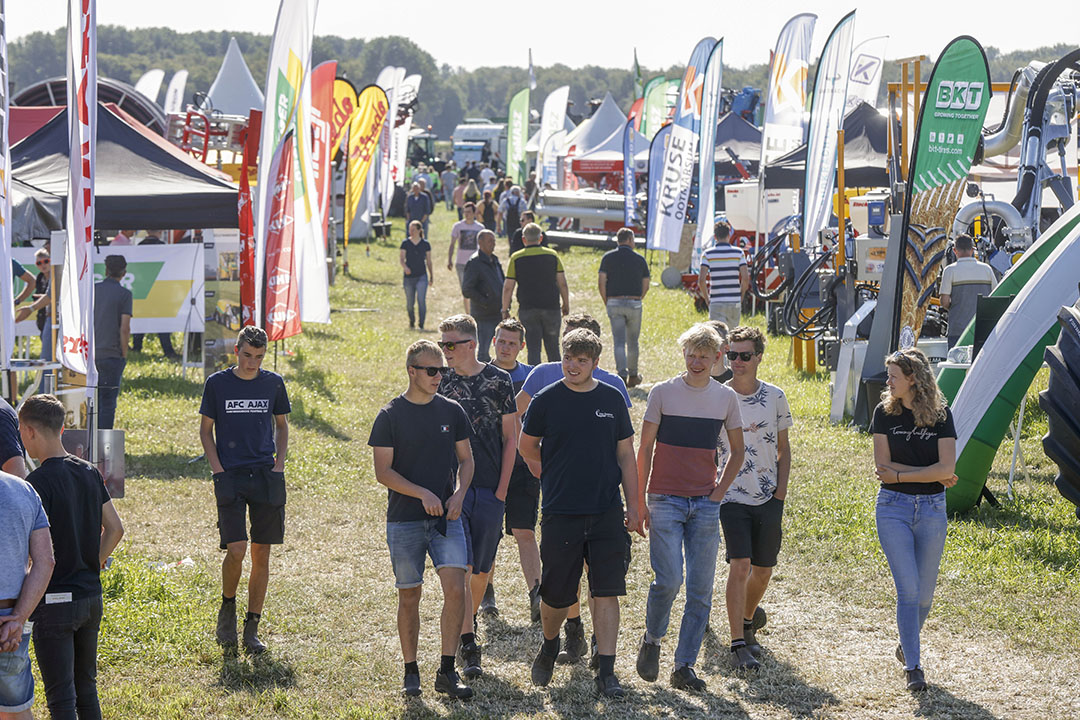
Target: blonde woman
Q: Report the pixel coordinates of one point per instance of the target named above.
(915, 455)
(472, 193)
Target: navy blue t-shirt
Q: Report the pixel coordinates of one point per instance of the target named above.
(10, 441)
(243, 413)
(580, 473)
(415, 258)
(423, 438)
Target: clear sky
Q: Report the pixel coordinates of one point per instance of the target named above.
(595, 32)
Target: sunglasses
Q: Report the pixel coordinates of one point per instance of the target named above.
(744, 356)
(451, 345)
(432, 370)
(39, 263)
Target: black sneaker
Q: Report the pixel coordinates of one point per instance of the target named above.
(411, 686)
(609, 687)
(252, 643)
(534, 603)
(686, 679)
(470, 661)
(743, 659)
(759, 619)
(916, 682)
(487, 605)
(751, 640)
(594, 655)
(542, 668)
(574, 648)
(226, 624)
(450, 684)
(648, 661)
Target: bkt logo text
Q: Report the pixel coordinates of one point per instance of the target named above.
(959, 95)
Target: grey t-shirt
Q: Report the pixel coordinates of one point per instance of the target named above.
(111, 300)
(20, 514)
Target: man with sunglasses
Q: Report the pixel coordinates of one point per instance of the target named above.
(487, 395)
(754, 503)
(418, 440)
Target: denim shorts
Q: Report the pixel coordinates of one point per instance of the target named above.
(411, 541)
(16, 682)
(482, 520)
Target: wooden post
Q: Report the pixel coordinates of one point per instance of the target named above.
(904, 87)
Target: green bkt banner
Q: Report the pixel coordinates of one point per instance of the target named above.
(163, 280)
(654, 112)
(946, 137)
(517, 136)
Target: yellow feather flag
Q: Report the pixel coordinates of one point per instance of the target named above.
(365, 126)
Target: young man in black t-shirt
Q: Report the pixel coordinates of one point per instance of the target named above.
(588, 451)
(418, 440)
(245, 434)
(85, 530)
(487, 395)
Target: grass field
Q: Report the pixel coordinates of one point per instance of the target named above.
(1003, 640)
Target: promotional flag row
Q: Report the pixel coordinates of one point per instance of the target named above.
(710, 115)
(783, 124)
(365, 127)
(517, 136)
(629, 189)
(7, 305)
(552, 120)
(826, 119)
(288, 107)
(75, 348)
(674, 192)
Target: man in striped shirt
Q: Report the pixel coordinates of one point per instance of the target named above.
(724, 277)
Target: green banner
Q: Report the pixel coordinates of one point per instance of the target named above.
(946, 137)
(655, 108)
(517, 136)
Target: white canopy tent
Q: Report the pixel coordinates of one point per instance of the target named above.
(608, 156)
(234, 91)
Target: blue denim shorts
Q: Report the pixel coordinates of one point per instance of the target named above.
(482, 519)
(410, 542)
(16, 682)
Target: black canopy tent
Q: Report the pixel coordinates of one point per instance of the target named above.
(140, 180)
(742, 138)
(866, 139)
(34, 213)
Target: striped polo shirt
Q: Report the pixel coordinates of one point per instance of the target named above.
(690, 422)
(722, 261)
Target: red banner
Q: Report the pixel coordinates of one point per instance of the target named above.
(322, 110)
(636, 111)
(282, 293)
(247, 249)
(76, 347)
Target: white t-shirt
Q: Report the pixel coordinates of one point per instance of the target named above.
(764, 414)
(487, 175)
(464, 234)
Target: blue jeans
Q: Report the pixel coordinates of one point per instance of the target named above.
(625, 317)
(678, 526)
(416, 293)
(485, 333)
(911, 530)
(412, 541)
(16, 682)
(65, 645)
(110, 370)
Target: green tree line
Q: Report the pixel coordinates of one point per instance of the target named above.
(447, 95)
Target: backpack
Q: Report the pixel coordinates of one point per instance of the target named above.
(513, 215)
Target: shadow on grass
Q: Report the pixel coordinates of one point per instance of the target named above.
(938, 702)
(167, 385)
(239, 673)
(301, 418)
(781, 682)
(311, 378)
(165, 466)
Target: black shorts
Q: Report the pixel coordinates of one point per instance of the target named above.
(261, 493)
(752, 531)
(522, 500)
(569, 541)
